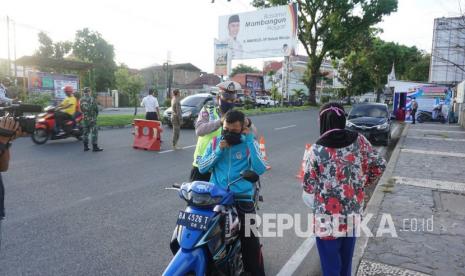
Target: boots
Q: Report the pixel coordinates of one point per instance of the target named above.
(86, 147)
(95, 148)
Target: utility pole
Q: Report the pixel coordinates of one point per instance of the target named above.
(14, 52)
(8, 42)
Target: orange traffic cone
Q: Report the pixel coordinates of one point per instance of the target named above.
(300, 175)
(263, 151)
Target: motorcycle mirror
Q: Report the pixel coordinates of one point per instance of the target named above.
(250, 176)
(177, 185)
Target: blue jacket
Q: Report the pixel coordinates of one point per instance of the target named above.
(227, 164)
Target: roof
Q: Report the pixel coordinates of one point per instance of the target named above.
(54, 63)
(206, 79)
(180, 66)
(274, 66)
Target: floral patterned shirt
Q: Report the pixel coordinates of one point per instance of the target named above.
(336, 177)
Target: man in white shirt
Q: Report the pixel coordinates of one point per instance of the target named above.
(152, 109)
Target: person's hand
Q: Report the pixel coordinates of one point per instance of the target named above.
(223, 144)
(9, 124)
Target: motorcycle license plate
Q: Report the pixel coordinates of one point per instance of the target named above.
(193, 221)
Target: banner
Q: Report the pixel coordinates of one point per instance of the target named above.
(221, 58)
(270, 32)
(39, 82)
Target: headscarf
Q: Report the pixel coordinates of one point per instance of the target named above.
(332, 127)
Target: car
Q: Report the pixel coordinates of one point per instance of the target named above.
(266, 101)
(372, 120)
(190, 106)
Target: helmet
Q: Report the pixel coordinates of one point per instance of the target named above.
(229, 86)
(86, 90)
(6, 80)
(68, 90)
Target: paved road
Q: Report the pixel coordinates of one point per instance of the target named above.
(76, 213)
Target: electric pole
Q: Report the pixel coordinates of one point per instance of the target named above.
(14, 52)
(8, 42)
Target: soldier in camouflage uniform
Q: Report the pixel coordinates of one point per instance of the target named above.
(89, 108)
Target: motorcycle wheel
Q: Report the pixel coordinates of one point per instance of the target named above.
(40, 136)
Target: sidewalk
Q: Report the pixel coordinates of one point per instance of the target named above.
(424, 191)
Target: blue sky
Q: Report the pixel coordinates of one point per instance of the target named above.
(146, 32)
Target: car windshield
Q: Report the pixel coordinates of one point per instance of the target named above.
(368, 111)
(193, 101)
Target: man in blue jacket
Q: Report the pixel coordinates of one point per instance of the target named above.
(226, 157)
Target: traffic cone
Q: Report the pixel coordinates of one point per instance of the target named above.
(263, 151)
(300, 175)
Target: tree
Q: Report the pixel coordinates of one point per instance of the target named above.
(50, 49)
(129, 84)
(242, 68)
(90, 46)
(329, 27)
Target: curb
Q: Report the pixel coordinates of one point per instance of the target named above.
(374, 203)
(113, 127)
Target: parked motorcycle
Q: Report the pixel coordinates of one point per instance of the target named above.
(45, 127)
(427, 116)
(206, 238)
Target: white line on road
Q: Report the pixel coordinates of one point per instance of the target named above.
(279, 128)
(437, 138)
(431, 152)
(188, 147)
(165, 151)
(293, 263)
(438, 130)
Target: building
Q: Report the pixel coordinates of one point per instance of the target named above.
(157, 76)
(252, 83)
(448, 51)
(203, 84)
(297, 68)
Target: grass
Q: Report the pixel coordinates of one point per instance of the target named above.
(117, 119)
(257, 111)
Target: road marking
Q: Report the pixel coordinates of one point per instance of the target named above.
(437, 138)
(293, 263)
(165, 151)
(279, 128)
(433, 184)
(85, 199)
(431, 152)
(395, 129)
(188, 147)
(439, 130)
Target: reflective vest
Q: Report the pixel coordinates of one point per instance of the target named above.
(202, 141)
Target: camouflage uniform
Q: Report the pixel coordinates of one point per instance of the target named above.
(89, 108)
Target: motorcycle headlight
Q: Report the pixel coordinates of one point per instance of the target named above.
(203, 199)
(349, 124)
(383, 126)
(187, 114)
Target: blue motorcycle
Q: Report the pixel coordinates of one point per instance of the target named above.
(206, 238)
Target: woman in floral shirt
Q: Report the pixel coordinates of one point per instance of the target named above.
(340, 164)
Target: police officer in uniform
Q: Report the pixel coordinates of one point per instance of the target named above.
(89, 109)
(208, 124)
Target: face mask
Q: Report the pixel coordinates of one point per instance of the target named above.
(225, 106)
(233, 138)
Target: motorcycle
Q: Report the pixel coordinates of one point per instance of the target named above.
(206, 238)
(427, 116)
(45, 128)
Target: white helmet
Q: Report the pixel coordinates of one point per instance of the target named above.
(229, 86)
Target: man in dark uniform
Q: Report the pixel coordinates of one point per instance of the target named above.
(89, 109)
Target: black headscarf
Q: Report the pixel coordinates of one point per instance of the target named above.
(332, 116)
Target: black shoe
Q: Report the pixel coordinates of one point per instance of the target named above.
(95, 148)
(86, 147)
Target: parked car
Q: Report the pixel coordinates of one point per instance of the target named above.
(190, 107)
(266, 101)
(372, 120)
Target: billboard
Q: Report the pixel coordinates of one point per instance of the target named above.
(39, 82)
(221, 58)
(254, 84)
(270, 32)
